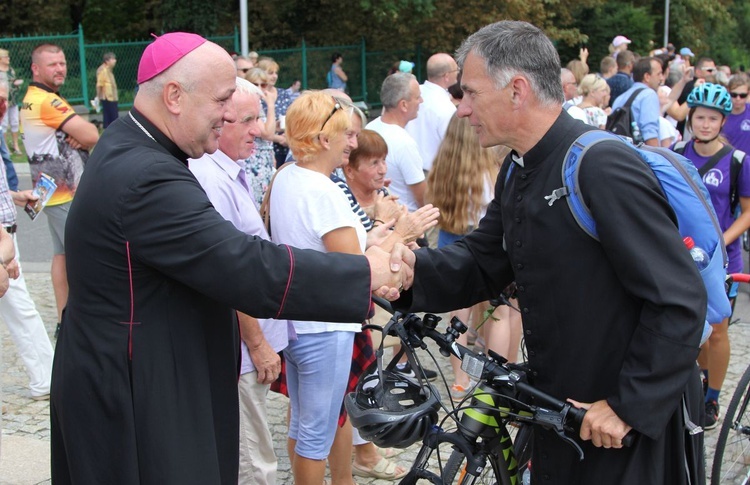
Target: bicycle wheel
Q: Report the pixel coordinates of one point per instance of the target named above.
(522, 445)
(732, 458)
(494, 473)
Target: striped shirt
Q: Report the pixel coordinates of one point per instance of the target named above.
(364, 218)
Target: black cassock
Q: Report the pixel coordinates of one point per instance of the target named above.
(144, 383)
(618, 320)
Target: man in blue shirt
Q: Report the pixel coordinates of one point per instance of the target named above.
(648, 75)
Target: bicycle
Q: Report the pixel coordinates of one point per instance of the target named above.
(732, 458)
(503, 397)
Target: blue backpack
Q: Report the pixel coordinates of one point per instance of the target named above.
(685, 192)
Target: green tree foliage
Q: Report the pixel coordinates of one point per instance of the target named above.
(717, 27)
(603, 22)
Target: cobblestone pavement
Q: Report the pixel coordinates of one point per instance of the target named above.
(28, 420)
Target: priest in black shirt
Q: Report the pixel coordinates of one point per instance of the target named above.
(613, 324)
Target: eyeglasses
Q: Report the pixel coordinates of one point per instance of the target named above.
(739, 95)
(336, 107)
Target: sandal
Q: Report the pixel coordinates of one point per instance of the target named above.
(385, 470)
(387, 452)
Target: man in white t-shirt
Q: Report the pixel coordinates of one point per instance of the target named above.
(429, 128)
(401, 99)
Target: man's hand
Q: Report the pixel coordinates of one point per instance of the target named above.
(74, 144)
(267, 362)
(390, 273)
(601, 425)
(21, 197)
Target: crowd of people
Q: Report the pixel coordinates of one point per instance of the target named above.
(233, 249)
(698, 110)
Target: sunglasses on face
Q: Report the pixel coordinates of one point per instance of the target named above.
(739, 95)
(261, 85)
(244, 70)
(709, 70)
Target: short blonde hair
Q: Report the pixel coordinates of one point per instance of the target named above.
(267, 64)
(4, 53)
(257, 76)
(590, 83)
(313, 114)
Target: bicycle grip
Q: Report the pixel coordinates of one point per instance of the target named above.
(578, 414)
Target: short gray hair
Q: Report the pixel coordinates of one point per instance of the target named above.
(512, 47)
(396, 87)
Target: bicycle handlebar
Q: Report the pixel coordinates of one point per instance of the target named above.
(494, 369)
(740, 277)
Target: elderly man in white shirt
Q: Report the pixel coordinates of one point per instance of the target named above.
(429, 128)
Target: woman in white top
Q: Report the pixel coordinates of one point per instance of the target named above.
(309, 211)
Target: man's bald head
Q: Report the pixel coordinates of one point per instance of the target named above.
(442, 69)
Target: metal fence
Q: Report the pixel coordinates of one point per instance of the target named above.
(366, 70)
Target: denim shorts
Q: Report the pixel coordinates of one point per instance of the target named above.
(317, 373)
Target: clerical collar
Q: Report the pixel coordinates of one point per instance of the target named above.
(150, 130)
(516, 158)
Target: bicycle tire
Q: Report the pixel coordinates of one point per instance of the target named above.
(732, 457)
(522, 446)
(454, 472)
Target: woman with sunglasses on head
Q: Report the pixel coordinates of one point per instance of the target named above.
(308, 210)
(261, 165)
(737, 127)
(712, 155)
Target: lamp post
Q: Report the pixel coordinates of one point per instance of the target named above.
(243, 28)
(666, 23)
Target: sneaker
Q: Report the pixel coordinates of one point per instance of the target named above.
(408, 372)
(459, 392)
(712, 415)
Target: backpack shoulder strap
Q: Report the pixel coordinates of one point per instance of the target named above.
(738, 158)
(679, 147)
(632, 98)
(711, 163)
(570, 177)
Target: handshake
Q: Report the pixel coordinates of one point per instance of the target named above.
(390, 273)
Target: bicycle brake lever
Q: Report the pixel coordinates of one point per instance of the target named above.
(556, 421)
(567, 439)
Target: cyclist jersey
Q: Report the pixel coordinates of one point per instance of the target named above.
(43, 114)
(717, 181)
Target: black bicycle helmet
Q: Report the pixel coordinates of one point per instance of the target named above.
(391, 410)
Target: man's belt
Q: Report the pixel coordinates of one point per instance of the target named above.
(11, 229)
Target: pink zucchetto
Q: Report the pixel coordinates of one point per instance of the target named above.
(165, 51)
